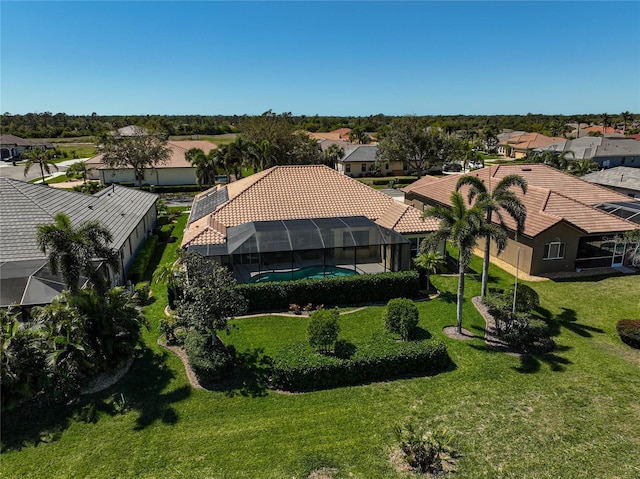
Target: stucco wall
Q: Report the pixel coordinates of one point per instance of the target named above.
(157, 176)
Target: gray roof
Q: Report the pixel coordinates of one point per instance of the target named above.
(596, 147)
(363, 153)
(620, 176)
(11, 140)
(618, 147)
(27, 205)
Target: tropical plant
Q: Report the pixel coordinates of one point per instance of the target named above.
(41, 157)
(73, 251)
(627, 117)
(332, 155)
(583, 167)
(462, 226)
(606, 121)
(429, 262)
(359, 136)
(78, 170)
(501, 199)
(423, 450)
(205, 165)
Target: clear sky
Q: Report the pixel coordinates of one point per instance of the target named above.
(326, 58)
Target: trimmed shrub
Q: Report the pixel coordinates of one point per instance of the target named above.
(526, 299)
(299, 368)
(629, 331)
(401, 317)
(141, 293)
(338, 291)
(142, 259)
(323, 329)
(210, 364)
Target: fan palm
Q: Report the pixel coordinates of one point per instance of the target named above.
(606, 121)
(583, 167)
(39, 156)
(627, 117)
(206, 165)
(502, 198)
(429, 262)
(463, 226)
(72, 250)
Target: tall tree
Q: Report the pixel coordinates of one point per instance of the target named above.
(139, 151)
(73, 250)
(206, 165)
(462, 226)
(627, 117)
(358, 136)
(501, 199)
(332, 155)
(606, 121)
(41, 157)
(583, 167)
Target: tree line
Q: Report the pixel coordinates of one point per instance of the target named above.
(61, 125)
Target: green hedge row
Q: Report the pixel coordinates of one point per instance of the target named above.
(338, 291)
(142, 259)
(396, 180)
(629, 331)
(300, 368)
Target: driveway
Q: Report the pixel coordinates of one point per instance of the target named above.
(7, 169)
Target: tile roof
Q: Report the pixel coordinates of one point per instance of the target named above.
(177, 158)
(27, 205)
(339, 134)
(304, 192)
(552, 196)
(529, 141)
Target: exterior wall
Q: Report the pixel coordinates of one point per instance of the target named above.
(613, 161)
(393, 168)
(625, 191)
(152, 176)
(134, 242)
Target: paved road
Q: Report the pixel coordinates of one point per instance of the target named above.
(7, 170)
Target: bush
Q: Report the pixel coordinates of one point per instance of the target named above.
(338, 291)
(526, 299)
(424, 451)
(141, 293)
(210, 364)
(629, 331)
(518, 329)
(299, 368)
(323, 329)
(401, 317)
(142, 259)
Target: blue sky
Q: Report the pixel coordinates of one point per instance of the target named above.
(326, 58)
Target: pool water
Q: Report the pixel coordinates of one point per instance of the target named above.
(310, 272)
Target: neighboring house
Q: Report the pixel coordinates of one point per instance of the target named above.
(360, 161)
(567, 228)
(605, 151)
(176, 171)
(517, 146)
(608, 131)
(341, 134)
(11, 147)
(288, 217)
(129, 214)
(622, 179)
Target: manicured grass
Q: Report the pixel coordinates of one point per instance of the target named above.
(571, 413)
(54, 180)
(76, 150)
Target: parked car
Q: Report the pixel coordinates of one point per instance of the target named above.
(474, 165)
(452, 167)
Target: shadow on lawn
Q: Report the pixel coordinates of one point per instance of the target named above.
(140, 390)
(250, 376)
(566, 319)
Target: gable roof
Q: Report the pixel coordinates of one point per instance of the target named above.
(26, 206)
(299, 192)
(552, 197)
(10, 140)
(361, 153)
(529, 141)
(620, 177)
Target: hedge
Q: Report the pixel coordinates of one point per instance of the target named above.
(629, 331)
(299, 368)
(336, 291)
(209, 364)
(142, 259)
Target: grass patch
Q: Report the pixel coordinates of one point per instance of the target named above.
(77, 150)
(570, 413)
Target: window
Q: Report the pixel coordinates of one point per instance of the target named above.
(622, 162)
(554, 250)
(386, 166)
(347, 168)
(363, 167)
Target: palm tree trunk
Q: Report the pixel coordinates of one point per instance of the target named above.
(485, 262)
(42, 173)
(460, 293)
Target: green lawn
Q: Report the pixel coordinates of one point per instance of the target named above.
(76, 150)
(572, 413)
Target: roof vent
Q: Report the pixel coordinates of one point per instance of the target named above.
(526, 169)
(90, 207)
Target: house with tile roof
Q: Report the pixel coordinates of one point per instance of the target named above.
(518, 145)
(176, 171)
(129, 214)
(289, 217)
(566, 227)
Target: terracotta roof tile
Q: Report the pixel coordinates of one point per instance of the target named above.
(303, 192)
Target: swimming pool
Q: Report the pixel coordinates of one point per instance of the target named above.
(310, 272)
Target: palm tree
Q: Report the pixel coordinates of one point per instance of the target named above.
(583, 167)
(502, 198)
(627, 117)
(206, 165)
(40, 157)
(462, 226)
(332, 155)
(429, 262)
(72, 250)
(606, 121)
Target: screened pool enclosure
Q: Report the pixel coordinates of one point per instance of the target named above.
(353, 242)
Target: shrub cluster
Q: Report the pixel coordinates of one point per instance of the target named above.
(401, 317)
(210, 364)
(299, 368)
(527, 298)
(323, 329)
(338, 291)
(142, 259)
(629, 331)
(141, 293)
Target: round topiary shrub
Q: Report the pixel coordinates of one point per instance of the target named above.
(401, 317)
(323, 329)
(629, 331)
(526, 299)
